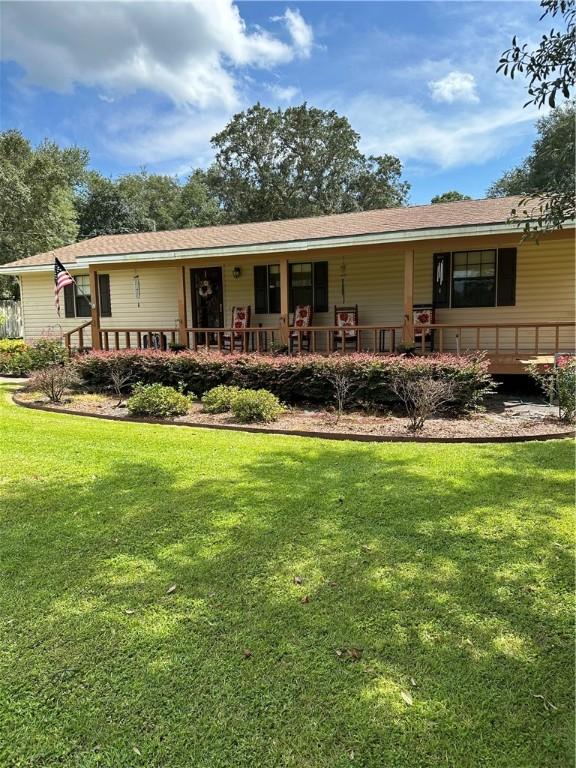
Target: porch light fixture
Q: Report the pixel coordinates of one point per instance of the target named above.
(236, 272)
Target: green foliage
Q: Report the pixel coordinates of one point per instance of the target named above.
(303, 161)
(449, 566)
(37, 195)
(547, 176)
(14, 357)
(297, 380)
(105, 209)
(18, 358)
(249, 405)
(158, 401)
(450, 197)
(199, 206)
(219, 399)
(550, 68)
(549, 166)
(47, 352)
(558, 382)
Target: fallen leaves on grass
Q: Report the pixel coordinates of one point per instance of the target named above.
(349, 654)
(247, 653)
(407, 697)
(171, 589)
(305, 599)
(298, 580)
(547, 704)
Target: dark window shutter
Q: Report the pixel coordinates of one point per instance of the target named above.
(441, 279)
(261, 290)
(290, 290)
(69, 306)
(506, 277)
(104, 294)
(321, 286)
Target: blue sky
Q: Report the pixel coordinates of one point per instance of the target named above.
(148, 83)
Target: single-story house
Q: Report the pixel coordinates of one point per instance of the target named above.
(448, 277)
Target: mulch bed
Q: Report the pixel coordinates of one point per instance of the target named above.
(498, 423)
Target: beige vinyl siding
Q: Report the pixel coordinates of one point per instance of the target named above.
(371, 277)
(545, 292)
(39, 310)
(157, 308)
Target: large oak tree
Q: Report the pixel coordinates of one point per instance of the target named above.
(302, 161)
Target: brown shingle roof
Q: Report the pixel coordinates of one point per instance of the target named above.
(387, 220)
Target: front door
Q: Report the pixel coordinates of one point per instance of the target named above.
(207, 310)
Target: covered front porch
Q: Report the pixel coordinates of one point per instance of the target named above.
(388, 290)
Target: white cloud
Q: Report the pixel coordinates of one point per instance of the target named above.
(300, 32)
(181, 138)
(189, 51)
(455, 86)
(283, 93)
(436, 140)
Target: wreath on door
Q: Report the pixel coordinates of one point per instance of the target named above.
(205, 289)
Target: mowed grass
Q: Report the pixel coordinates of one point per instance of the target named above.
(449, 568)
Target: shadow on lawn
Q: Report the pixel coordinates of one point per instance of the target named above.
(454, 584)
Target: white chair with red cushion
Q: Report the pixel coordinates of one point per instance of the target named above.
(423, 316)
(236, 340)
(346, 318)
(302, 319)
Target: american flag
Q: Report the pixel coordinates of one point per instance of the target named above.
(62, 278)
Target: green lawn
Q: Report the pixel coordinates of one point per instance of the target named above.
(448, 566)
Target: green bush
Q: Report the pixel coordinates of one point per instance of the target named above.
(18, 358)
(219, 399)
(14, 357)
(249, 405)
(297, 380)
(47, 352)
(158, 401)
(558, 383)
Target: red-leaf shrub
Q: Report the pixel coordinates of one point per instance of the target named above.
(295, 380)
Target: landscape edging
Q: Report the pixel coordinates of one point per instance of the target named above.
(361, 438)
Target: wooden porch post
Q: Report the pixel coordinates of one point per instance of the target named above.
(284, 301)
(408, 324)
(94, 307)
(182, 334)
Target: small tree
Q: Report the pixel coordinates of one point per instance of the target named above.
(558, 382)
(422, 397)
(120, 374)
(53, 381)
(342, 381)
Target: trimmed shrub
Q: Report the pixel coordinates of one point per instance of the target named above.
(15, 357)
(298, 380)
(48, 352)
(53, 381)
(18, 358)
(219, 399)
(249, 405)
(158, 401)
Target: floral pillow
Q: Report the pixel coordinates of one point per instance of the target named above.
(422, 317)
(302, 316)
(240, 317)
(346, 319)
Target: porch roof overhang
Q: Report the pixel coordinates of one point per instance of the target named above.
(291, 246)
